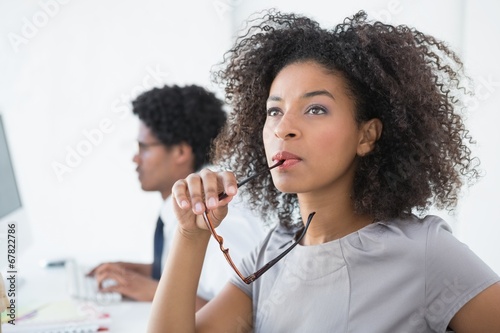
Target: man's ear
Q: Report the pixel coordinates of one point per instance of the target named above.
(370, 132)
(183, 153)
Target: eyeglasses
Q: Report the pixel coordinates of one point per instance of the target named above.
(225, 251)
(145, 146)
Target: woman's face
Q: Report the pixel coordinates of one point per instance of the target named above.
(310, 124)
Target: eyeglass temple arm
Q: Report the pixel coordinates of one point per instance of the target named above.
(261, 271)
(264, 268)
(223, 195)
(220, 240)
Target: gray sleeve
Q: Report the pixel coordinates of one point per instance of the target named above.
(454, 275)
(246, 268)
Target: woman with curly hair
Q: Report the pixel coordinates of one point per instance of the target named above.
(361, 125)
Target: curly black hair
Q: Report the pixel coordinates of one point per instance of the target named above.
(189, 114)
(411, 81)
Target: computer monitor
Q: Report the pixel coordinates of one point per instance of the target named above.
(15, 234)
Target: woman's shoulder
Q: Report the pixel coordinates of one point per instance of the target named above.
(407, 239)
(431, 239)
(410, 228)
(414, 227)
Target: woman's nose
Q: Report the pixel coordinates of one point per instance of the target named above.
(287, 128)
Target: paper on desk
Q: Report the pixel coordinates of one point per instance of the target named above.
(61, 316)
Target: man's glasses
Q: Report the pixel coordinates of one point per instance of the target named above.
(142, 146)
(225, 251)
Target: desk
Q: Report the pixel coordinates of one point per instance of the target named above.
(39, 286)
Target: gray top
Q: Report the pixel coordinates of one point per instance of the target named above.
(400, 276)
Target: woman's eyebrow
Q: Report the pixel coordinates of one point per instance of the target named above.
(310, 94)
(274, 99)
(318, 93)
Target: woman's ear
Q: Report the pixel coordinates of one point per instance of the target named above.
(370, 132)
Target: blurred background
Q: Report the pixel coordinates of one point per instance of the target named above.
(69, 69)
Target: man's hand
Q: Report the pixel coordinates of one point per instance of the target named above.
(143, 269)
(131, 280)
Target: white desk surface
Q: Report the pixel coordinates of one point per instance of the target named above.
(39, 286)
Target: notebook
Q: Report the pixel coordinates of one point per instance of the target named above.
(59, 317)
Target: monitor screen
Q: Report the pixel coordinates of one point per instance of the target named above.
(9, 194)
(15, 233)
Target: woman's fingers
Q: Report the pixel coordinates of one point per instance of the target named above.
(195, 191)
(181, 194)
(229, 183)
(210, 188)
(200, 191)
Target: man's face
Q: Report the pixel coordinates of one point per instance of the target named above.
(155, 163)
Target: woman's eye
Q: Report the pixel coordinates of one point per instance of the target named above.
(273, 112)
(316, 109)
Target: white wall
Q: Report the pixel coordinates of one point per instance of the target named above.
(480, 221)
(72, 67)
(84, 63)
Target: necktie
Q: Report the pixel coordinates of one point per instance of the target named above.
(158, 249)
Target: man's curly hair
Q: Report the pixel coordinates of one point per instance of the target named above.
(405, 78)
(187, 114)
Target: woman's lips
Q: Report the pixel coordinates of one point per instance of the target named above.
(288, 163)
(288, 159)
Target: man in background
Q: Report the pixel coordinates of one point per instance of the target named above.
(177, 126)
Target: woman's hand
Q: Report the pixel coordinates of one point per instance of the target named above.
(199, 192)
